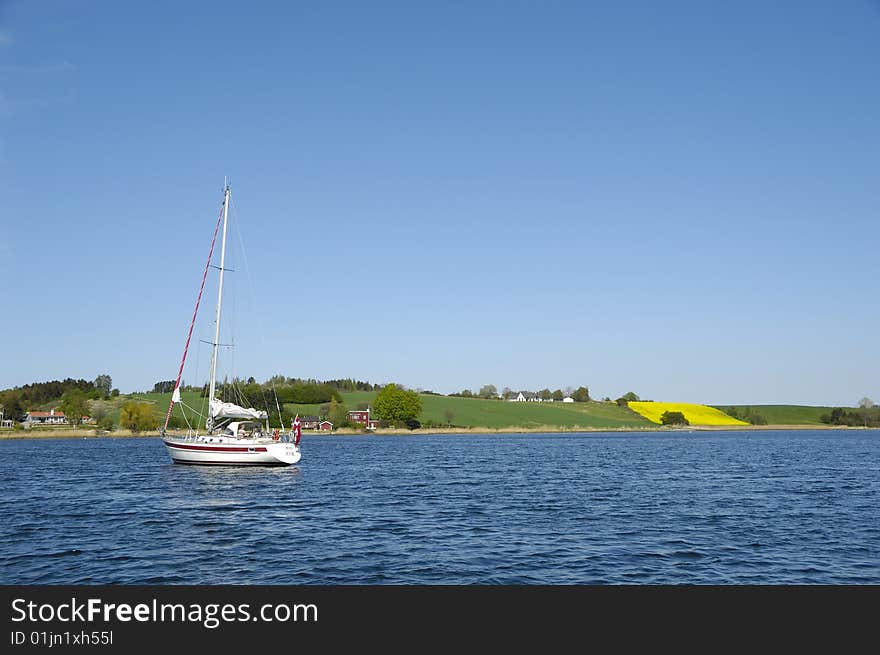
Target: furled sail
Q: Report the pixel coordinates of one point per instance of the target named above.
(219, 409)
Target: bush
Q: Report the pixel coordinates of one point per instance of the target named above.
(756, 419)
(106, 423)
(673, 418)
(137, 417)
(412, 424)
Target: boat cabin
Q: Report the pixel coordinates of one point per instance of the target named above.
(243, 430)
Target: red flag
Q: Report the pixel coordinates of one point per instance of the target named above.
(297, 430)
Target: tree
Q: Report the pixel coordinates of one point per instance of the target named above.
(626, 398)
(836, 417)
(449, 416)
(137, 417)
(581, 395)
(557, 395)
(397, 405)
(488, 391)
(74, 405)
(866, 404)
(507, 393)
(545, 394)
(103, 383)
(337, 414)
(673, 418)
(103, 420)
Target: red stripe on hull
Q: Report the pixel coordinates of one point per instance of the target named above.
(217, 449)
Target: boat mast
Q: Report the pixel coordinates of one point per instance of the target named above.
(210, 420)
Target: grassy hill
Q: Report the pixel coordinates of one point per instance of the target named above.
(478, 412)
(502, 414)
(783, 414)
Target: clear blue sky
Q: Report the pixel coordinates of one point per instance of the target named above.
(678, 199)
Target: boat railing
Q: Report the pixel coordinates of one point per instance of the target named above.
(194, 435)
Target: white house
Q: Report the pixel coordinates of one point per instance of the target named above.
(51, 418)
(568, 399)
(527, 397)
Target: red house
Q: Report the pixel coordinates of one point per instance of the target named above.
(360, 416)
(309, 422)
(325, 426)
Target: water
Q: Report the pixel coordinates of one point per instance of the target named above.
(786, 507)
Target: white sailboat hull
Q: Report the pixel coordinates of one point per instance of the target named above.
(219, 451)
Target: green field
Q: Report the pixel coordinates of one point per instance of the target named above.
(476, 412)
(480, 413)
(784, 414)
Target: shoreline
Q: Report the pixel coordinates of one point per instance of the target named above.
(91, 433)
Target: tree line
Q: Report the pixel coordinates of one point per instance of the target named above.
(17, 401)
(867, 415)
(490, 392)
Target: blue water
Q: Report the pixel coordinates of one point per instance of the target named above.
(786, 507)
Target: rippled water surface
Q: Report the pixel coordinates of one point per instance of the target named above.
(686, 507)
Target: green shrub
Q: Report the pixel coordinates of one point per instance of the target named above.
(673, 418)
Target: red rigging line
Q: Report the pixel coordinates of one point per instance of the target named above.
(193, 322)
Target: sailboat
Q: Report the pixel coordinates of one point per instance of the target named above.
(233, 435)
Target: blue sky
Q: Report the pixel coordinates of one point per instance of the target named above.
(678, 199)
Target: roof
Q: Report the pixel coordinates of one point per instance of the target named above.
(42, 414)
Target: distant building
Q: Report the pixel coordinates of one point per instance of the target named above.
(360, 416)
(325, 426)
(568, 399)
(526, 397)
(309, 422)
(51, 417)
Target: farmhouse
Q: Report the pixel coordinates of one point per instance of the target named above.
(362, 417)
(325, 426)
(527, 397)
(309, 422)
(51, 417)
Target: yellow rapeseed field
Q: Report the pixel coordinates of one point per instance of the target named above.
(695, 414)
